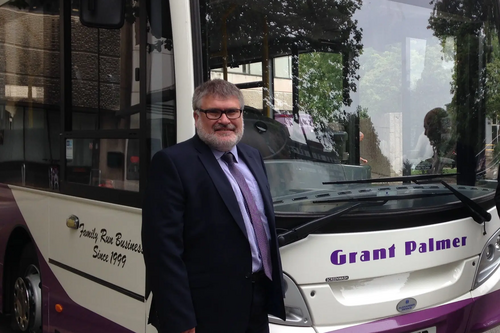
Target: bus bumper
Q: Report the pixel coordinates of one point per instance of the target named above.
(474, 312)
(467, 315)
(449, 318)
(274, 328)
(485, 312)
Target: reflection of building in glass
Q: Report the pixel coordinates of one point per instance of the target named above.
(104, 96)
(253, 72)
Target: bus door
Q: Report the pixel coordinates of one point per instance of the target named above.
(95, 249)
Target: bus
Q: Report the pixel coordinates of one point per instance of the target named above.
(377, 122)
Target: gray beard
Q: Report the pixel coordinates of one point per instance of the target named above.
(214, 142)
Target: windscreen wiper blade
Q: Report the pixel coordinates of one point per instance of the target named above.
(385, 198)
(413, 178)
(303, 230)
(307, 228)
(478, 213)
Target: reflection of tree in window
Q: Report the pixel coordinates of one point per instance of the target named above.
(323, 33)
(473, 25)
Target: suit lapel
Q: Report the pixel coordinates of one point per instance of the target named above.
(220, 181)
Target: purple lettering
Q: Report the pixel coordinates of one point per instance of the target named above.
(443, 244)
(392, 251)
(422, 248)
(410, 246)
(463, 240)
(379, 254)
(337, 259)
(456, 242)
(431, 244)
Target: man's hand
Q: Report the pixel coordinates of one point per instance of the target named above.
(190, 331)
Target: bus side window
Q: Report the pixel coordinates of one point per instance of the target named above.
(29, 153)
(110, 163)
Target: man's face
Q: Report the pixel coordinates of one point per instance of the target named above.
(221, 134)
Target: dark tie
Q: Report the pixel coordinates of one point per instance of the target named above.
(258, 226)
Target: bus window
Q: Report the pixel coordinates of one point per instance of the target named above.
(29, 96)
(249, 76)
(103, 105)
(12, 156)
(110, 163)
(104, 83)
(319, 75)
(160, 100)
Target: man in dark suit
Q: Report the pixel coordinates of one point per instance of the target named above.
(209, 240)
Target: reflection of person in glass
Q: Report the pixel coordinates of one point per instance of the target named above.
(361, 159)
(437, 128)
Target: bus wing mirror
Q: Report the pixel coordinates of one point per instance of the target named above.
(261, 127)
(107, 14)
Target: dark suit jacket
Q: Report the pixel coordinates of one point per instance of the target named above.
(197, 255)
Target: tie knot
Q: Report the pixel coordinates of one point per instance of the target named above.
(228, 158)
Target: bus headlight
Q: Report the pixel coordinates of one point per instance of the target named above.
(497, 243)
(297, 313)
(489, 260)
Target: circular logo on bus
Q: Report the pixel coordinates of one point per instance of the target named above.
(406, 305)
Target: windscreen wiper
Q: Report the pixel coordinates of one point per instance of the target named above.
(384, 198)
(478, 213)
(303, 230)
(413, 178)
(307, 228)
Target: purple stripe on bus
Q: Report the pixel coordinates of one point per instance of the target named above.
(74, 318)
(8, 212)
(485, 314)
(449, 318)
(466, 316)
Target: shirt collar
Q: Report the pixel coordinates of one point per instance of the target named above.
(218, 154)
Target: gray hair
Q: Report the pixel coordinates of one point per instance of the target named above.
(217, 88)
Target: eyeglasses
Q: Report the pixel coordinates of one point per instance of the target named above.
(214, 114)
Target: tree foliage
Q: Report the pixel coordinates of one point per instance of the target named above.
(320, 86)
(472, 25)
(323, 32)
(493, 82)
